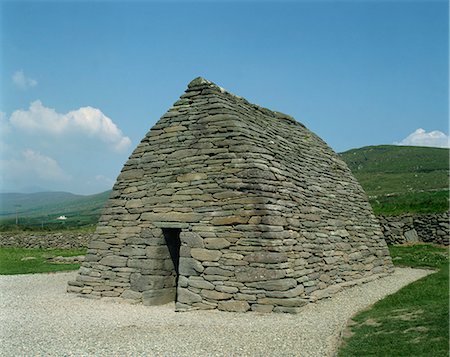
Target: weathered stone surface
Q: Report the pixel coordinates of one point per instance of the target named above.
(148, 264)
(216, 243)
(215, 295)
(218, 271)
(249, 274)
(229, 220)
(192, 177)
(147, 282)
(186, 296)
(192, 239)
(131, 294)
(205, 254)
(171, 217)
(266, 257)
(278, 285)
(199, 283)
(262, 308)
(158, 297)
(190, 266)
(290, 302)
(114, 261)
(235, 306)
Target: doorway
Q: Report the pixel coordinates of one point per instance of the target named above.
(172, 237)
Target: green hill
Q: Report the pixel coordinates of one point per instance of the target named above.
(401, 179)
(41, 209)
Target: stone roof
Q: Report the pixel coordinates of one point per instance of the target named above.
(256, 211)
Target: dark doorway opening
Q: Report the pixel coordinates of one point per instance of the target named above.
(172, 237)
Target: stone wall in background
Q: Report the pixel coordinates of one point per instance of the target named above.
(409, 228)
(62, 240)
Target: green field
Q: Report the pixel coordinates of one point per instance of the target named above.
(401, 179)
(28, 261)
(38, 211)
(412, 322)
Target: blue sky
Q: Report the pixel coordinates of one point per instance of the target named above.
(82, 82)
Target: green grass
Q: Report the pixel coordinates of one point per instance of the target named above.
(412, 322)
(402, 179)
(397, 159)
(38, 211)
(412, 202)
(11, 260)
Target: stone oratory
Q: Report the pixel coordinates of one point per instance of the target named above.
(227, 205)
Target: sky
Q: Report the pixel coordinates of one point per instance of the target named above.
(83, 81)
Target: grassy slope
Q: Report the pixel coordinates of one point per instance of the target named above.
(401, 179)
(413, 321)
(42, 209)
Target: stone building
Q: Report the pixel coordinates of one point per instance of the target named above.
(227, 205)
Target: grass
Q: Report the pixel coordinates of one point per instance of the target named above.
(402, 179)
(38, 211)
(412, 202)
(397, 159)
(412, 322)
(28, 261)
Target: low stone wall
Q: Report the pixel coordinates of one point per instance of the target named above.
(409, 228)
(62, 240)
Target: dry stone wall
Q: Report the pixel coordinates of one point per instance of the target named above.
(62, 240)
(412, 228)
(226, 205)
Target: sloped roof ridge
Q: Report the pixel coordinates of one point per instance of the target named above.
(200, 83)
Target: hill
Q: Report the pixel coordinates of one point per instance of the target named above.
(41, 209)
(401, 179)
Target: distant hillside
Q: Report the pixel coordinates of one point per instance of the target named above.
(401, 179)
(42, 209)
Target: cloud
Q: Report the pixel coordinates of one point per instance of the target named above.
(86, 120)
(4, 125)
(33, 164)
(104, 180)
(23, 82)
(420, 137)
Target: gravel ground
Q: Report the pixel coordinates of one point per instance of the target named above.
(38, 318)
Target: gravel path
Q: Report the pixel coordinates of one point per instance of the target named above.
(37, 317)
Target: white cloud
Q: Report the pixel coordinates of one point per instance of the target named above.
(86, 120)
(104, 180)
(33, 164)
(420, 137)
(23, 82)
(4, 125)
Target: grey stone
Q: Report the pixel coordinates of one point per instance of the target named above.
(114, 261)
(215, 295)
(411, 236)
(190, 266)
(249, 274)
(205, 254)
(290, 302)
(130, 294)
(158, 297)
(232, 305)
(186, 296)
(278, 285)
(199, 283)
(266, 257)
